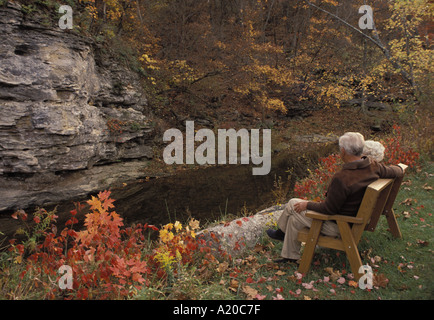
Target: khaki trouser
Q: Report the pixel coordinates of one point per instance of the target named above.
(291, 222)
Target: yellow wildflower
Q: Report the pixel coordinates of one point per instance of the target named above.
(165, 235)
(178, 226)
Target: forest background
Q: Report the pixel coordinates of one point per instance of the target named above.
(262, 57)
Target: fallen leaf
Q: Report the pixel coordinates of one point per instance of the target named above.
(259, 248)
(341, 280)
(308, 286)
(427, 187)
(280, 273)
(408, 201)
(259, 297)
(222, 267)
(250, 280)
(250, 292)
(406, 214)
(380, 280)
(334, 274)
(233, 286)
(408, 183)
(262, 280)
(422, 242)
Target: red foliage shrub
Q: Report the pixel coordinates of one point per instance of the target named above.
(397, 151)
(108, 261)
(315, 185)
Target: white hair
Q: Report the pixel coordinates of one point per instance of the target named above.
(374, 150)
(352, 143)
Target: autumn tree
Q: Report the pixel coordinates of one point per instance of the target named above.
(263, 56)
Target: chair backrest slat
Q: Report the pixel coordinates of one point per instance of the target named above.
(373, 203)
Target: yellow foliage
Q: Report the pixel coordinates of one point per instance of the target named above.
(276, 104)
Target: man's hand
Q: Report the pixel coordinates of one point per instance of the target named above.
(300, 206)
(402, 166)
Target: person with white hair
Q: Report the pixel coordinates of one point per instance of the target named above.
(374, 150)
(344, 195)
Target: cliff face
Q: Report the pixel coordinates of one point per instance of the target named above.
(71, 121)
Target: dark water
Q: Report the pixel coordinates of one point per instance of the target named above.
(210, 193)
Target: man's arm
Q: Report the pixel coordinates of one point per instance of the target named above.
(336, 196)
(392, 171)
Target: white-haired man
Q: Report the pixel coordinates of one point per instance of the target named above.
(344, 195)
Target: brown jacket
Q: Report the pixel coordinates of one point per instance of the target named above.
(346, 190)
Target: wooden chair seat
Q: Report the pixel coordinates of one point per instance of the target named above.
(377, 200)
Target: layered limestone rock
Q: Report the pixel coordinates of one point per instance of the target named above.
(64, 111)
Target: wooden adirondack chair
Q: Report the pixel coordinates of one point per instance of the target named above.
(374, 203)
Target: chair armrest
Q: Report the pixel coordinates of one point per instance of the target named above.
(318, 216)
(349, 219)
(336, 217)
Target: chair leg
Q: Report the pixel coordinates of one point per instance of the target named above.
(393, 224)
(309, 248)
(350, 248)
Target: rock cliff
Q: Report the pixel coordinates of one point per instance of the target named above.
(72, 120)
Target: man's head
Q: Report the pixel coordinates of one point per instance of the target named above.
(351, 145)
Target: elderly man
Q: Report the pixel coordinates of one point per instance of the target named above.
(344, 196)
